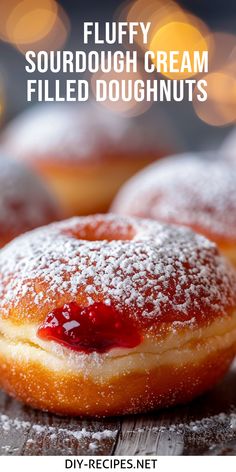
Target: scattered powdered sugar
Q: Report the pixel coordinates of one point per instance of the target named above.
(208, 435)
(8, 424)
(93, 446)
(150, 270)
(24, 201)
(185, 190)
(103, 434)
(202, 425)
(201, 436)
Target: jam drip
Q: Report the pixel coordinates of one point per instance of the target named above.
(97, 328)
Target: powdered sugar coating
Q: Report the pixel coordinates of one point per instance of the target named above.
(184, 190)
(78, 133)
(25, 203)
(156, 273)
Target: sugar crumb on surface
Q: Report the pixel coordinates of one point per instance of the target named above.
(151, 268)
(186, 190)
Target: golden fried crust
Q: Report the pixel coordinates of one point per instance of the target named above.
(186, 190)
(157, 274)
(73, 394)
(174, 286)
(85, 189)
(228, 251)
(226, 245)
(85, 156)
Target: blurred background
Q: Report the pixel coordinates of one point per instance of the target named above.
(55, 25)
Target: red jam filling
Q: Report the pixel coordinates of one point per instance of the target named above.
(97, 328)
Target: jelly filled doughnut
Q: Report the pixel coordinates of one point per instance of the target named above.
(84, 152)
(104, 316)
(25, 203)
(189, 191)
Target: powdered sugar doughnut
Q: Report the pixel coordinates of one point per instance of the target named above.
(189, 191)
(25, 203)
(84, 152)
(103, 315)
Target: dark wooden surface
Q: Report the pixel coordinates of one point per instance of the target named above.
(205, 427)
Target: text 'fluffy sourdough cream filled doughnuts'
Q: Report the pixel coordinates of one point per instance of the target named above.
(25, 202)
(84, 152)
(189, 191)
(103, 316)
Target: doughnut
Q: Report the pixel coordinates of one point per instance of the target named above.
(84, 152)
(25, 202)
(105, 315)
(186, 190)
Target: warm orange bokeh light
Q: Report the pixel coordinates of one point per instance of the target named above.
(56, 37)
(40, 24)
(220, 107)
(6, 8)
(158, 9)
(172, 29)
(159, 13)
(180, 37)
(31, 21)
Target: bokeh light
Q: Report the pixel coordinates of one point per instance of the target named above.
(159, 13)
(172, 28)
(38, 24)
(220, 107)
(6, 9)
(31, 21)
(178, 36)
(56, 37)
(145, 10)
